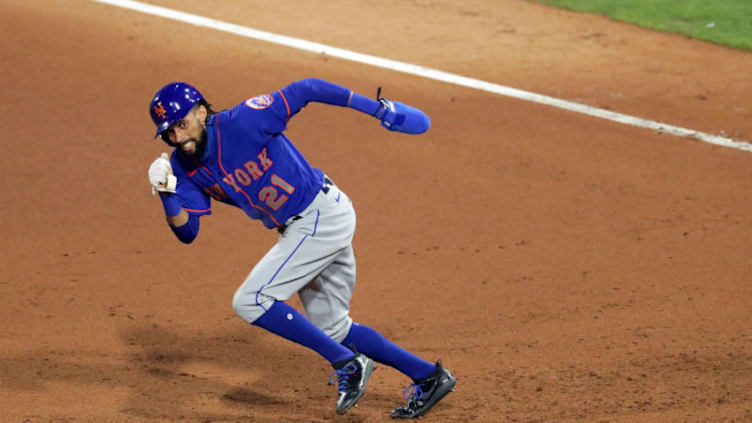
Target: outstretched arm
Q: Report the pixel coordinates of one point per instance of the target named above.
(393, 115)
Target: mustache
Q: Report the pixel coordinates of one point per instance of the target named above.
(200, 146)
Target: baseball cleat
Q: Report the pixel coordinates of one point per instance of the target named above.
(351, 381)
(425, 393)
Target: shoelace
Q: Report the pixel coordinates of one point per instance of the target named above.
(343, 376)
(413, 392)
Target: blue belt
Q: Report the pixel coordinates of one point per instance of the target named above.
(327, 185)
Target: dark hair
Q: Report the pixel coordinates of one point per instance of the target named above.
(206, 104)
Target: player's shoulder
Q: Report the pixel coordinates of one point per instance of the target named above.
(253, 111)
(252, 106)
(181, 166)
(259, 102)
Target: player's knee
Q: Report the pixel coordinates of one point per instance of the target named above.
(246, 305)
(336, 330)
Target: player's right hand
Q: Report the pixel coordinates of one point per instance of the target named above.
(160, 175)
(399, 117)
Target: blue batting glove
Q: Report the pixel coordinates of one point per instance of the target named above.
(396, 116)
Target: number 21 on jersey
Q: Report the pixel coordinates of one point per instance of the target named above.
(271, 196)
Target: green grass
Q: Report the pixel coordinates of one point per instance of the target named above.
(726, 22)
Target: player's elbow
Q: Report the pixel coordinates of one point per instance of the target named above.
(186, 240)
(188, 232)
(309, 83)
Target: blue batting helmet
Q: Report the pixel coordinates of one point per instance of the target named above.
(172, 103)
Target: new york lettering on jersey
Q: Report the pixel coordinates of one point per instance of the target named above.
(207, 183)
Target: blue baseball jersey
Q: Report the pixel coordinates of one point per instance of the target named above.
(249, 162)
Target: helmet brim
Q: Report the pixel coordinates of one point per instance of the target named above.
(161, 128)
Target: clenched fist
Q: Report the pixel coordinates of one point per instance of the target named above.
(160, 175)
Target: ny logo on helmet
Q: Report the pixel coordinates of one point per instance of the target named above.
(160, 110)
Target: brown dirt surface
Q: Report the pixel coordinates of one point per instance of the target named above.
(565, 268)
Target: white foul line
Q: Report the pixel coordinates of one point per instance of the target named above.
(423, 72)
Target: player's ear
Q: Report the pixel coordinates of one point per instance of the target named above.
(202, 112)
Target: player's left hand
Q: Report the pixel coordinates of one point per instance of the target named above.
(396, 116)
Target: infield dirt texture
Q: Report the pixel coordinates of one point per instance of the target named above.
(566, 268)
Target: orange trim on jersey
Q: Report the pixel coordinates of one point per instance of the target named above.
(198, 211)
(207, 170)
(193, 172)
(286, 105)
(219, 159)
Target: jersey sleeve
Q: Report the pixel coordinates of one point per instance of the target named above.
(268, 114)
(192, 199)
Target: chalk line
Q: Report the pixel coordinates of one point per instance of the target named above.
(424, 72)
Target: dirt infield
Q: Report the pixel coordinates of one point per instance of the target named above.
(565, 268)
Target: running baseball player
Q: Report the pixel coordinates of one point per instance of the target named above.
(242, 157)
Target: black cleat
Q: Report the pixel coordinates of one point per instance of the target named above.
(425, 393)
(352, 378)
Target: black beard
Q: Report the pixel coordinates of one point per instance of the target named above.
(200, 148)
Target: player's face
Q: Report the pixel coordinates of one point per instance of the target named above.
(189, 133)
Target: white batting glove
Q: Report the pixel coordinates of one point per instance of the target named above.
(161, 177)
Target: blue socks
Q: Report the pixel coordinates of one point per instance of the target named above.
(375, 346)
(288, 323)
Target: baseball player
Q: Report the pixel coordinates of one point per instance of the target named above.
(242, 157)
